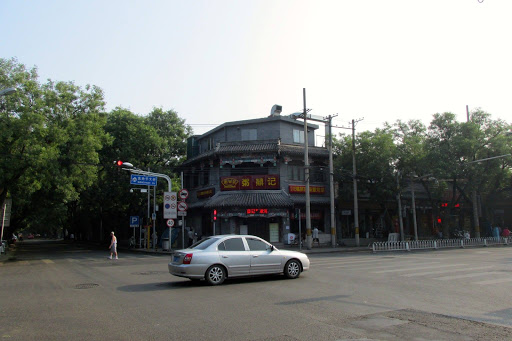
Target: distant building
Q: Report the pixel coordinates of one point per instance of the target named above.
(250, 174)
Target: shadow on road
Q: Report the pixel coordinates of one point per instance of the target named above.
(187, 284)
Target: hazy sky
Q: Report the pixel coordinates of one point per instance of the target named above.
(224, 60)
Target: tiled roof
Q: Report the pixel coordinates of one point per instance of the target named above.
(298, 149)
(245, 147)
(250, 199)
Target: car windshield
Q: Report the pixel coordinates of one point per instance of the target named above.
(203, 243)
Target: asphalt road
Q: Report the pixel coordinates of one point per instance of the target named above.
(60, 291)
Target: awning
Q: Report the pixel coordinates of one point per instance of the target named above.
(250, 199)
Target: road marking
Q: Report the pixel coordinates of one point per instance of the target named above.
(48, 261)
(445, 271)
(494, 281)
(478, 274)
(349, 262)
(420, 268)
(378, 266)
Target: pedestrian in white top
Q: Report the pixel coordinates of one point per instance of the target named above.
(315, 236)
(113, 245)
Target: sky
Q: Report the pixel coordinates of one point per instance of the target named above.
(216, 61)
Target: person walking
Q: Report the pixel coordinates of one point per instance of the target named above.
(315, 236)
(113, 245)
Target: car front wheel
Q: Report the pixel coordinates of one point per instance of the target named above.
(292, 269)
(215, 275)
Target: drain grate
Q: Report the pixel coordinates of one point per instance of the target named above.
(86, 286)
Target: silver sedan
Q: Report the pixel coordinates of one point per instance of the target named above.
(219, 257)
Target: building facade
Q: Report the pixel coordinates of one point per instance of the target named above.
(247, 177)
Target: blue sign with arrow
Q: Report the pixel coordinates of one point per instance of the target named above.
(146, 180)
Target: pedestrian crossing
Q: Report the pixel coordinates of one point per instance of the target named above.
(472, 269)
(76, 260)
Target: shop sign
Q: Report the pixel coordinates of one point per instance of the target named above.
(258, 212)
(300, 189)
(249, 182)
(315, 215)
(205, 193)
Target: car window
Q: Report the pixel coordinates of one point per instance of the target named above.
(257, 245)
(234, 244)
(221, 247)
(204, 243)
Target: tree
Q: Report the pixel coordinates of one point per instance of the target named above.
(50, 138)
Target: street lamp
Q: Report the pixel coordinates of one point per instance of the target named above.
(415, 177)
(7, 91)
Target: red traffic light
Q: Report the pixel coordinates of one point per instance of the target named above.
(214, 214)
(119, 163)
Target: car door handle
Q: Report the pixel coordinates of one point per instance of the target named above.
(224, 256)
(254, 256)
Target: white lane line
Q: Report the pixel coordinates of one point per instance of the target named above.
(350, 262)
(420, 268)
(478, 274)
(445, 271)
(377, 266)
(494, 281)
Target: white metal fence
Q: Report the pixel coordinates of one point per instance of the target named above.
(437, 244)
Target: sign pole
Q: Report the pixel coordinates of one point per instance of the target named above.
(3, 220)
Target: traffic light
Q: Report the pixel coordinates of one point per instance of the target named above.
(214, 215)
(296, 214)
(120, 163)
(439, 221)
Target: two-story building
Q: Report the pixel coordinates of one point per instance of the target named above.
(247, 177)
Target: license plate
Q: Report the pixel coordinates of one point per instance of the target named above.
(176, 259)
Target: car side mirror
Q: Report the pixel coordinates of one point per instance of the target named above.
(271, 248)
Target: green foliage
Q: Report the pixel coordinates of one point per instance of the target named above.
(58, 146)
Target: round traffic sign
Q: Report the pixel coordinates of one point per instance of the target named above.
(170, 222)
(183, 194)
(182, 206)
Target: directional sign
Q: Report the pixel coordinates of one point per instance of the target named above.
(182, 206)
(183, 194)
(170, 223)
(134, 221)
(146, 180)
(170, 205)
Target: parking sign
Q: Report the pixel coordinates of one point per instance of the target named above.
(134, 221)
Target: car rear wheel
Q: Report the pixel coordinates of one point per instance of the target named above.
(292, 269)
(215, 275)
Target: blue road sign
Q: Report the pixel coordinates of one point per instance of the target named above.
(146, 180)
(134, 221)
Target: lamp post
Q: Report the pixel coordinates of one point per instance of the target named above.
(413, 199)
(7, 91)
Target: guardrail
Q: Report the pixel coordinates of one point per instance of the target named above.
(437, 244)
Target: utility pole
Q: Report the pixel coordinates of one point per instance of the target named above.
(414, 210)
(476, 218)
(399, 199)
(309, 238)
(354, 171)
(331, 183)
